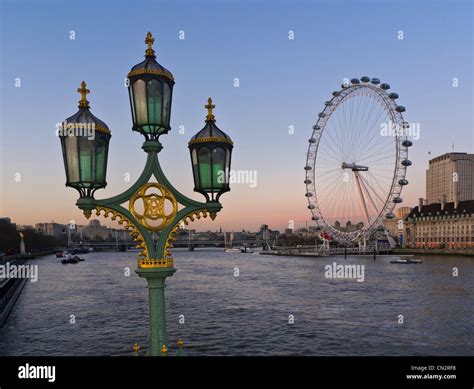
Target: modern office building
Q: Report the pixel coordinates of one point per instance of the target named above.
(450, 175)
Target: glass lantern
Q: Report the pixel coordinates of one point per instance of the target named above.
(85, 145)
(211, 151)
(150, 88)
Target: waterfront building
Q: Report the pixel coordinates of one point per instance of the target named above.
(95, 230)
(51, 229)
(349, 227)
(24, 227)
(450, 175)
(441, 225)
(266, 234)
(396, 226)
(7, 221)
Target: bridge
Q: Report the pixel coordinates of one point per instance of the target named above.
(178, 243)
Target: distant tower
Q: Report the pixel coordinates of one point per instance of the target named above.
(22, 245)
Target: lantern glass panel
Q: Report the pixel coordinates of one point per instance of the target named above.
(101, 157)
(194, 160)
(204, 156)
(227, 161)
(70, 143)
(218, 167)
(166, 104)
(132, 104)
(86, 161)
(139, 95)
(155, 94)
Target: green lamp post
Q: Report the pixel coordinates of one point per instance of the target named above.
(151, 209)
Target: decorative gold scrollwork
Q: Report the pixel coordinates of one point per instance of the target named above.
(154, 211)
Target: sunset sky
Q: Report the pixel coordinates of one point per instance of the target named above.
(283, 83)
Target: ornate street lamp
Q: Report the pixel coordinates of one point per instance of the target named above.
(211, 149)
(85, 144)
(151, 209)
(150, 89)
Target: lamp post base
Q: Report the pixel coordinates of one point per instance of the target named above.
(156, 294)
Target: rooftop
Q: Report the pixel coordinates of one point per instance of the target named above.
(466, 206)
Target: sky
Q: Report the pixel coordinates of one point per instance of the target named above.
(282, 82)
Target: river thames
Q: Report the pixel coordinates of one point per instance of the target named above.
(240, 304)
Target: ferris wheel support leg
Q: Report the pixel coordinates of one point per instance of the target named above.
(361, 197)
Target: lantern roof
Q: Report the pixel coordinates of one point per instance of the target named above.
(84, 116)
(150, 65)
(210, 132)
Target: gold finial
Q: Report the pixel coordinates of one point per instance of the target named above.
(149, 41)
(136, 347)
(164, 349)
(210, 117)
(180, 343)
(83, 91)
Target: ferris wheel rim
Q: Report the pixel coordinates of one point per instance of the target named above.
(387, 102)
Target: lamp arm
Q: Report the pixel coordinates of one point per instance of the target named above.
(152, 248)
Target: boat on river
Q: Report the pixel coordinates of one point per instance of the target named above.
(406, 261)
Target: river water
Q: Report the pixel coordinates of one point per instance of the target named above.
(248, 314)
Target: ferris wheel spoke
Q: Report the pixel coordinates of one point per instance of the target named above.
(330, 146)
(374, 138)
(378, 153)
(368, 186)
(360, 140)
(380, 156)
(368, 143)
(379, 188)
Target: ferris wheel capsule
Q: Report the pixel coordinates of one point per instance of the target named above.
(403, 181)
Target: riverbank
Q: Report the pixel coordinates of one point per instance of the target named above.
(397, 252)
(7, 258)
(435, 252)
(10, 290)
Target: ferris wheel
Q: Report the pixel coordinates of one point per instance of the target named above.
(357, 160)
